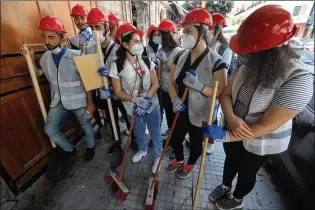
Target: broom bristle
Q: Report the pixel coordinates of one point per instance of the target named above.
(109, 180)
(114, 187)
(121, 195)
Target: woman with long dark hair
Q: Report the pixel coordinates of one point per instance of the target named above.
(196, 69)
(170, 48)
(260, 100)
(132, 74)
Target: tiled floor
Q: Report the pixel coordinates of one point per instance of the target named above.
(85, 187)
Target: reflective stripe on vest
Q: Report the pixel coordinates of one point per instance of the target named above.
(199, 104)
(68, 84)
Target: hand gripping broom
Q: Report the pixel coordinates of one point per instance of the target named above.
(204, 151)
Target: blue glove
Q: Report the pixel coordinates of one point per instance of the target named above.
(143, 102)
(103, 71)
(191, 81)
(138, 111)
(213, 132)
(106, 93)
(85, 35)
(178, 105)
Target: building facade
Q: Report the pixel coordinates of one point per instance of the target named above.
(300, 11)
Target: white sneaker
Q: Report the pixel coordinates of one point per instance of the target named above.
(210, 149)
(155, 165)
(138, 156)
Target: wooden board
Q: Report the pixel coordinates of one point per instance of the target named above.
(88, 66)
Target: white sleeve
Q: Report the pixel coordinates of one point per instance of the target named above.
(152, 65)
(113, 70)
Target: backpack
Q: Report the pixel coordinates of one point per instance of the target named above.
(234, 61)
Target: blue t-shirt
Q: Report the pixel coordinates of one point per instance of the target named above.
(56, 58)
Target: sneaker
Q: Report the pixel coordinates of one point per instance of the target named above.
(155, 165)
(185, 171)
(138, 156)
(122, 120)
(172, 154)
(219, 192)
(134, 146)
(165, 134)
(229, 203)
(210, 149)
(171, 168)
(89, 154)
(113, 148)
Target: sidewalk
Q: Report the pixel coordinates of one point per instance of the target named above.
(85, 187)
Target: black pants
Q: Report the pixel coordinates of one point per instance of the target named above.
(168, 106)
(246, 164)
(183, 126)
(159, 92)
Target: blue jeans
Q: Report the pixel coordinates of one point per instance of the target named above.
(152, 120)
(54, 122)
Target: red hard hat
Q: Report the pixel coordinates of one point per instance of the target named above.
(124, 29)
(79, 10)
(198, 15)
(167, 25)
(113, 19)
(218, 19)
(275, 28)
(51, 23)
(151, 28)
(96, 16)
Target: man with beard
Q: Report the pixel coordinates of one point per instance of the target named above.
(67, 91)
(81, 40)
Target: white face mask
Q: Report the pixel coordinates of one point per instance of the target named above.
(187, 41)
(101, 36)
(157, 40)
(137, 50)
(55, 51)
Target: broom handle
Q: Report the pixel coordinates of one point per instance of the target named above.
(105, 82)
(168, 139)
(36, 86)
(204, 151)
(129, 135)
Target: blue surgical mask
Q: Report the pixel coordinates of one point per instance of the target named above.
(156, 40)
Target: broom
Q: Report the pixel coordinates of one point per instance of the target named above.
(53, 165)
(206, 140)
(153, 183)
(115, 181)
(105, 82)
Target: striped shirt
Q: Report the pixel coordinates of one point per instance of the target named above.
(295, 93)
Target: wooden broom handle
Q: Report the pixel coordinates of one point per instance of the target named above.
(129, 135)
(105, 82)
(204, 151)
(36, 86)
(168, 139)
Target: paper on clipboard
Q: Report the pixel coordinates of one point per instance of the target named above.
(88, 66)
